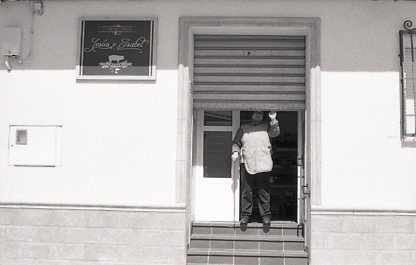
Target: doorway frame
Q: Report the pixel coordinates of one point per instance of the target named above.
(188, 26)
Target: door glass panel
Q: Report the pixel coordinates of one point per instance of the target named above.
(217, 118)
(217, 154)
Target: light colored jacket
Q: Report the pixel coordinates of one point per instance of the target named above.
(252, 141)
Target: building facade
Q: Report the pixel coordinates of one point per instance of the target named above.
(138, 166)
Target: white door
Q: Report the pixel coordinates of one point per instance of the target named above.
(216, 195)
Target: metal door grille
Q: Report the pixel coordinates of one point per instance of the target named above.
(408, 76)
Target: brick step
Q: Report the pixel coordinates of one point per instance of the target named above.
(246, 253)
(276, 228)
(249, 257)
(274, 224)
(248, 242)
(248, 237)
(252, 261)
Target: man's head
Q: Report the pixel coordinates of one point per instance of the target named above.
(257, 116)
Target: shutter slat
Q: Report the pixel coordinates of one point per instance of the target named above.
(248, 79)
(249, 105)
(256, 97)
(275, 88)
(214, 37)
(249, 52)
(290, 45)
(249, 61)
(249, 70)
(251, 57)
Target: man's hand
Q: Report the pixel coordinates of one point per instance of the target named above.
(234, 156)
(272, 115)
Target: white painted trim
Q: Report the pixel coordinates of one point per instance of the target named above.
(180, 208)
(250, 30)
(187, 26)
(386, 212)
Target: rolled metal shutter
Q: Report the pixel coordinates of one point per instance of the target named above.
(249, 72)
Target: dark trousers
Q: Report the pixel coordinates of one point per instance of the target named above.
(248, 182)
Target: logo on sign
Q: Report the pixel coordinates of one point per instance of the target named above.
(115, 64)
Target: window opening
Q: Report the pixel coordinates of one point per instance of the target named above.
(408, 81)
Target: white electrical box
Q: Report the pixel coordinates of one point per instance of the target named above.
(12, 41)
(35, 145)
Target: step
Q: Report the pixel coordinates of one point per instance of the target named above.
(226, 243)
(246, 253)
(246, 257)
(250, 261)
(276, 228)
(261, 242)
(248, 237)
(279, 224)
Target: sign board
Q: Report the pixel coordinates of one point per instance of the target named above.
(117, 49)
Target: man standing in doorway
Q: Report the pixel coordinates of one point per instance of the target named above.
(252, 142)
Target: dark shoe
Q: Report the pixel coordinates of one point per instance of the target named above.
(243, 223)
(244, 220)
(267, 220)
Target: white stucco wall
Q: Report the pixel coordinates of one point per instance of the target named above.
(119, 137)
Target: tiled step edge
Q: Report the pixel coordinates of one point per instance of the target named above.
(242, 237)
(204, 263)
(274, 224)
(246, 253)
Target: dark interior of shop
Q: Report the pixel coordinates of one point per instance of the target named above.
(283, 178)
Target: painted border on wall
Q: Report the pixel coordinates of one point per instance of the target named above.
(387, 212)
(162, 208)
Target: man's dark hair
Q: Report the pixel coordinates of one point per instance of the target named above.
(265, 114)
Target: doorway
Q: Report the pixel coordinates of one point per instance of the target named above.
(216, 179)
(228, 94)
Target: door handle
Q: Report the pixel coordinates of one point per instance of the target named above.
(300, 162)
(306, 191)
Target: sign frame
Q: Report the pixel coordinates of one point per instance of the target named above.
(80, 75)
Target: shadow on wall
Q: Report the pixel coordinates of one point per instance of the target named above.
(355, 37)
(56, 41)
